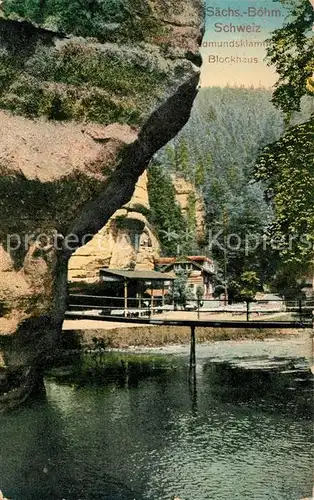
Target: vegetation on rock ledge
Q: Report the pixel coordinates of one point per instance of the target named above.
(112, 20)
(80, 81)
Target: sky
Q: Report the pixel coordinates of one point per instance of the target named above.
(233, 46)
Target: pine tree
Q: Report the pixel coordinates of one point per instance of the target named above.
(166, 215)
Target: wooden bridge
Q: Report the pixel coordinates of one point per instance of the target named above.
(191, 322)
(104, 309)
(207, 313)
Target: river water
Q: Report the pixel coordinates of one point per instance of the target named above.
(241, 429)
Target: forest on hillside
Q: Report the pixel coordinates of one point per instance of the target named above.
(217, 151)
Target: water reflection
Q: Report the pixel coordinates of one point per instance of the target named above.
(285, 389)
(35, 459)
(221, 431)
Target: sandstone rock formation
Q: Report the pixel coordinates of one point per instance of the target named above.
(81, 119)
(126, 241)
(185, 192)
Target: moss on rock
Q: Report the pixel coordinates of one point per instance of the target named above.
(112, 20)
(81, 81)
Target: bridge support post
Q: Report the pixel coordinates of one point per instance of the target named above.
(247, 310)
(192, 351)
(140, 304)
(125, 298)
(300, 311)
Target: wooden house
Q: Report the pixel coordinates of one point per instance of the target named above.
(200, 270)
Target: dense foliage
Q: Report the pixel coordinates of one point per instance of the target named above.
(249, 223)
(287, 166)
(246, 287)
(216, 152)
(165, 215)
(291, 51)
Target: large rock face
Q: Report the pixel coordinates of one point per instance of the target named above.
(126, 241)
(87, 98)
(188, 197)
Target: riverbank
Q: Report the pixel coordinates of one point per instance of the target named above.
(122, 335)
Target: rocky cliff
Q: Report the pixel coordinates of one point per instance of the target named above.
(87, 98)
(126, 241)
(188, 197)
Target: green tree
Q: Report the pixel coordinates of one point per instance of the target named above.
(183, 164)
(287, 166)
(291, 51)
(227, 129)
(166, 215)
(199, 178)
(246, 287)
(191, 213)
(179, 292)
(287, 283)
(199, 293)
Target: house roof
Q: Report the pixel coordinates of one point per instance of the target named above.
(184, 261)
(201, 258)
(195, 264)
(122, 274)
(185, 258)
